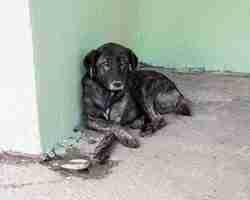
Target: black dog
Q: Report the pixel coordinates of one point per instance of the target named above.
(115, 94)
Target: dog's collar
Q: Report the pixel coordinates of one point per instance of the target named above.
(112, 98)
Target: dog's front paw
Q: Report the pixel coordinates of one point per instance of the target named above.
(137, 124)
(126, 139)
(152, 127)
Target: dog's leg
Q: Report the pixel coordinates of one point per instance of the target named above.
(138, 123)
(183, 107)
(153, 120)
(104, 148)
(108, 127)
(172, 102)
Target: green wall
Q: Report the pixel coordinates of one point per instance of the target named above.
(63, 32)
(198, 33)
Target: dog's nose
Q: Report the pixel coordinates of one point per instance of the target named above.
(117, 84)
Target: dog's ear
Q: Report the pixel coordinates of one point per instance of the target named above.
(133, 60)
(89, 62)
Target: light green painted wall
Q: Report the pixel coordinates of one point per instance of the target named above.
(197, 33)
(63, 31)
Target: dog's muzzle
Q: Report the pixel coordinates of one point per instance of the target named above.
(116, 85)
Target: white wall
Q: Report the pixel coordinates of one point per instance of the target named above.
(19, 129)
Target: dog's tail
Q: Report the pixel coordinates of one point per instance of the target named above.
(183, 106)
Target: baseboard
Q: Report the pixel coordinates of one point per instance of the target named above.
(191, 70)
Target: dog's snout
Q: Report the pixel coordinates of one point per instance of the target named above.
(116, 85)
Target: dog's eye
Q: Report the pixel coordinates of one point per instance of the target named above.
(123, 64)
(105, 66)
(124, 61)
(104, 63)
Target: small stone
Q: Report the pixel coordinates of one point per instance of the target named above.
(92, 141)
(55, 164)
(59, 150)
(46, 157)
(51, 154)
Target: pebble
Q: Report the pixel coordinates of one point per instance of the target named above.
(55, 164)
(59, 150)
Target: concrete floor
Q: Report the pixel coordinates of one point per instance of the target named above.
(205, 157)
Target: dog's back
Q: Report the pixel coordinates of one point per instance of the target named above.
(160, 90)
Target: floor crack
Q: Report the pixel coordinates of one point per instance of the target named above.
(14, 186)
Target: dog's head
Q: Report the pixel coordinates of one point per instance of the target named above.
(110, 64)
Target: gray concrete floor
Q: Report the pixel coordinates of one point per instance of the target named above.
(205, 157)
